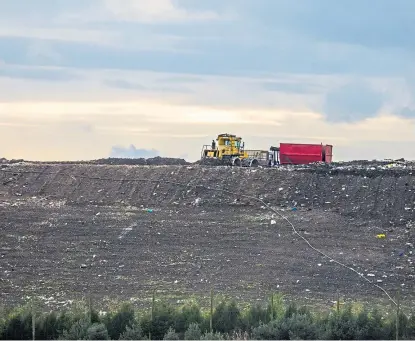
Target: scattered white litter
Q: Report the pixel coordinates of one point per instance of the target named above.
(124, 232)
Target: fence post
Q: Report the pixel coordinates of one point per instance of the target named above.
(90, 308)
(153, 299)
(33, 320)
(338, 303)
(211, 310)
(398, 312)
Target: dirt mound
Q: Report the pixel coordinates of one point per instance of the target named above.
(188, 228)
(155, 161)
(5, 161)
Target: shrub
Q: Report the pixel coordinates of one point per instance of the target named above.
(47, 326)
(226, 317)
(411, 326)
(253, 316)
(193, 332)
(117, 322)
(132, 333)
(171, 335)
(78, 331)
(298, 327)
(189, 314)
(18, 324)
(267, 331)
(212, 336)
(278, 309)
(188, 323)
(97, 331)
(164, 317)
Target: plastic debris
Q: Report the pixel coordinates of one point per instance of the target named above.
(381, 236)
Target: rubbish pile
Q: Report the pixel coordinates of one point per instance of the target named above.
(364, 167)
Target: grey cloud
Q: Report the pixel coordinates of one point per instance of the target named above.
(123, 84)
(181, 79)
(388, 24)
(294, 87)
(127, 85)
(133, 152)
(270, 37)
(352, 102)
(41, 74)
(407, 113)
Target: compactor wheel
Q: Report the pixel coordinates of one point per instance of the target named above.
(254, 163)
(236, 162)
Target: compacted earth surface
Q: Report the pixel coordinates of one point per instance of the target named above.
(120, 232)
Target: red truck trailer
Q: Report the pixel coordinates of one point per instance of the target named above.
(303, 153)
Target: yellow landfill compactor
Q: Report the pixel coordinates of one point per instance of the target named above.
(229, 150)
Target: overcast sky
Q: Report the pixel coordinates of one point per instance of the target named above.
(84, 79)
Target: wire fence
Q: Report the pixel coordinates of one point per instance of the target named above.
(220, 319)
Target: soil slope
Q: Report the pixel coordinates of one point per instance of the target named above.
(119, 231)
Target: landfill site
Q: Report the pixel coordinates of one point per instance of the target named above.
(118, 229)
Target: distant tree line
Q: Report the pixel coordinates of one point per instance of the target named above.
(227, 321)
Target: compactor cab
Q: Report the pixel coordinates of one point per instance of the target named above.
(228, 149)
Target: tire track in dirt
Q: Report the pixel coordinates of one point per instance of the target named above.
(318, 188)
(174, 192)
